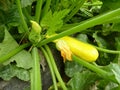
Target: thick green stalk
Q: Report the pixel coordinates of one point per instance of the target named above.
(55, 68)
(22, 16)
(108, 51)
(31, 80)
(27, 14)
(51, 69)
(38, 10)
(13, 52)
(35, 72)
(83, 25)
(46, 8)
(93, 4)
(100, 72)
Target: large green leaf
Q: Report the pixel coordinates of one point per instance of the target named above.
(114, 71)
(8, 44)
(23, 58)
(115, 68)
(82, 81)
(10, 71)
(72, 67)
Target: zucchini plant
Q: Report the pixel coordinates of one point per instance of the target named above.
(85, 32)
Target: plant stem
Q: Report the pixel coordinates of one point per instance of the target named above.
(83, 25)
(75, 9)
(46, 8)
(13, 52)
(31, 80)
(108, 51)
(35, 72)
(22, 16)
(93, 4)
(27, 14)
(100, 72)
(55, 68)
(51, 68)
(38, 10)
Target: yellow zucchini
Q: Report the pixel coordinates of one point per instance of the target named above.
(81, 49)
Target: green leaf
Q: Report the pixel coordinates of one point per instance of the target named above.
(101, 42)
(23, 58)
(8, 44)
(82, 81)
(114, 71)
(26, 3)
(110, 5)
(116, 27)
(10, 71)
(82, 37)
(54, 21)
(59, 5)
(115, 68)
(106, 85)
(9, 13)
(12, 16)
(71, 68)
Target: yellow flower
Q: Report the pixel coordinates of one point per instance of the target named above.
(64, 49)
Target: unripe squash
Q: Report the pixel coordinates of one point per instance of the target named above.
(34, 35)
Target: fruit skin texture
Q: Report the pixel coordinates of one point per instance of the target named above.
(83, 50)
